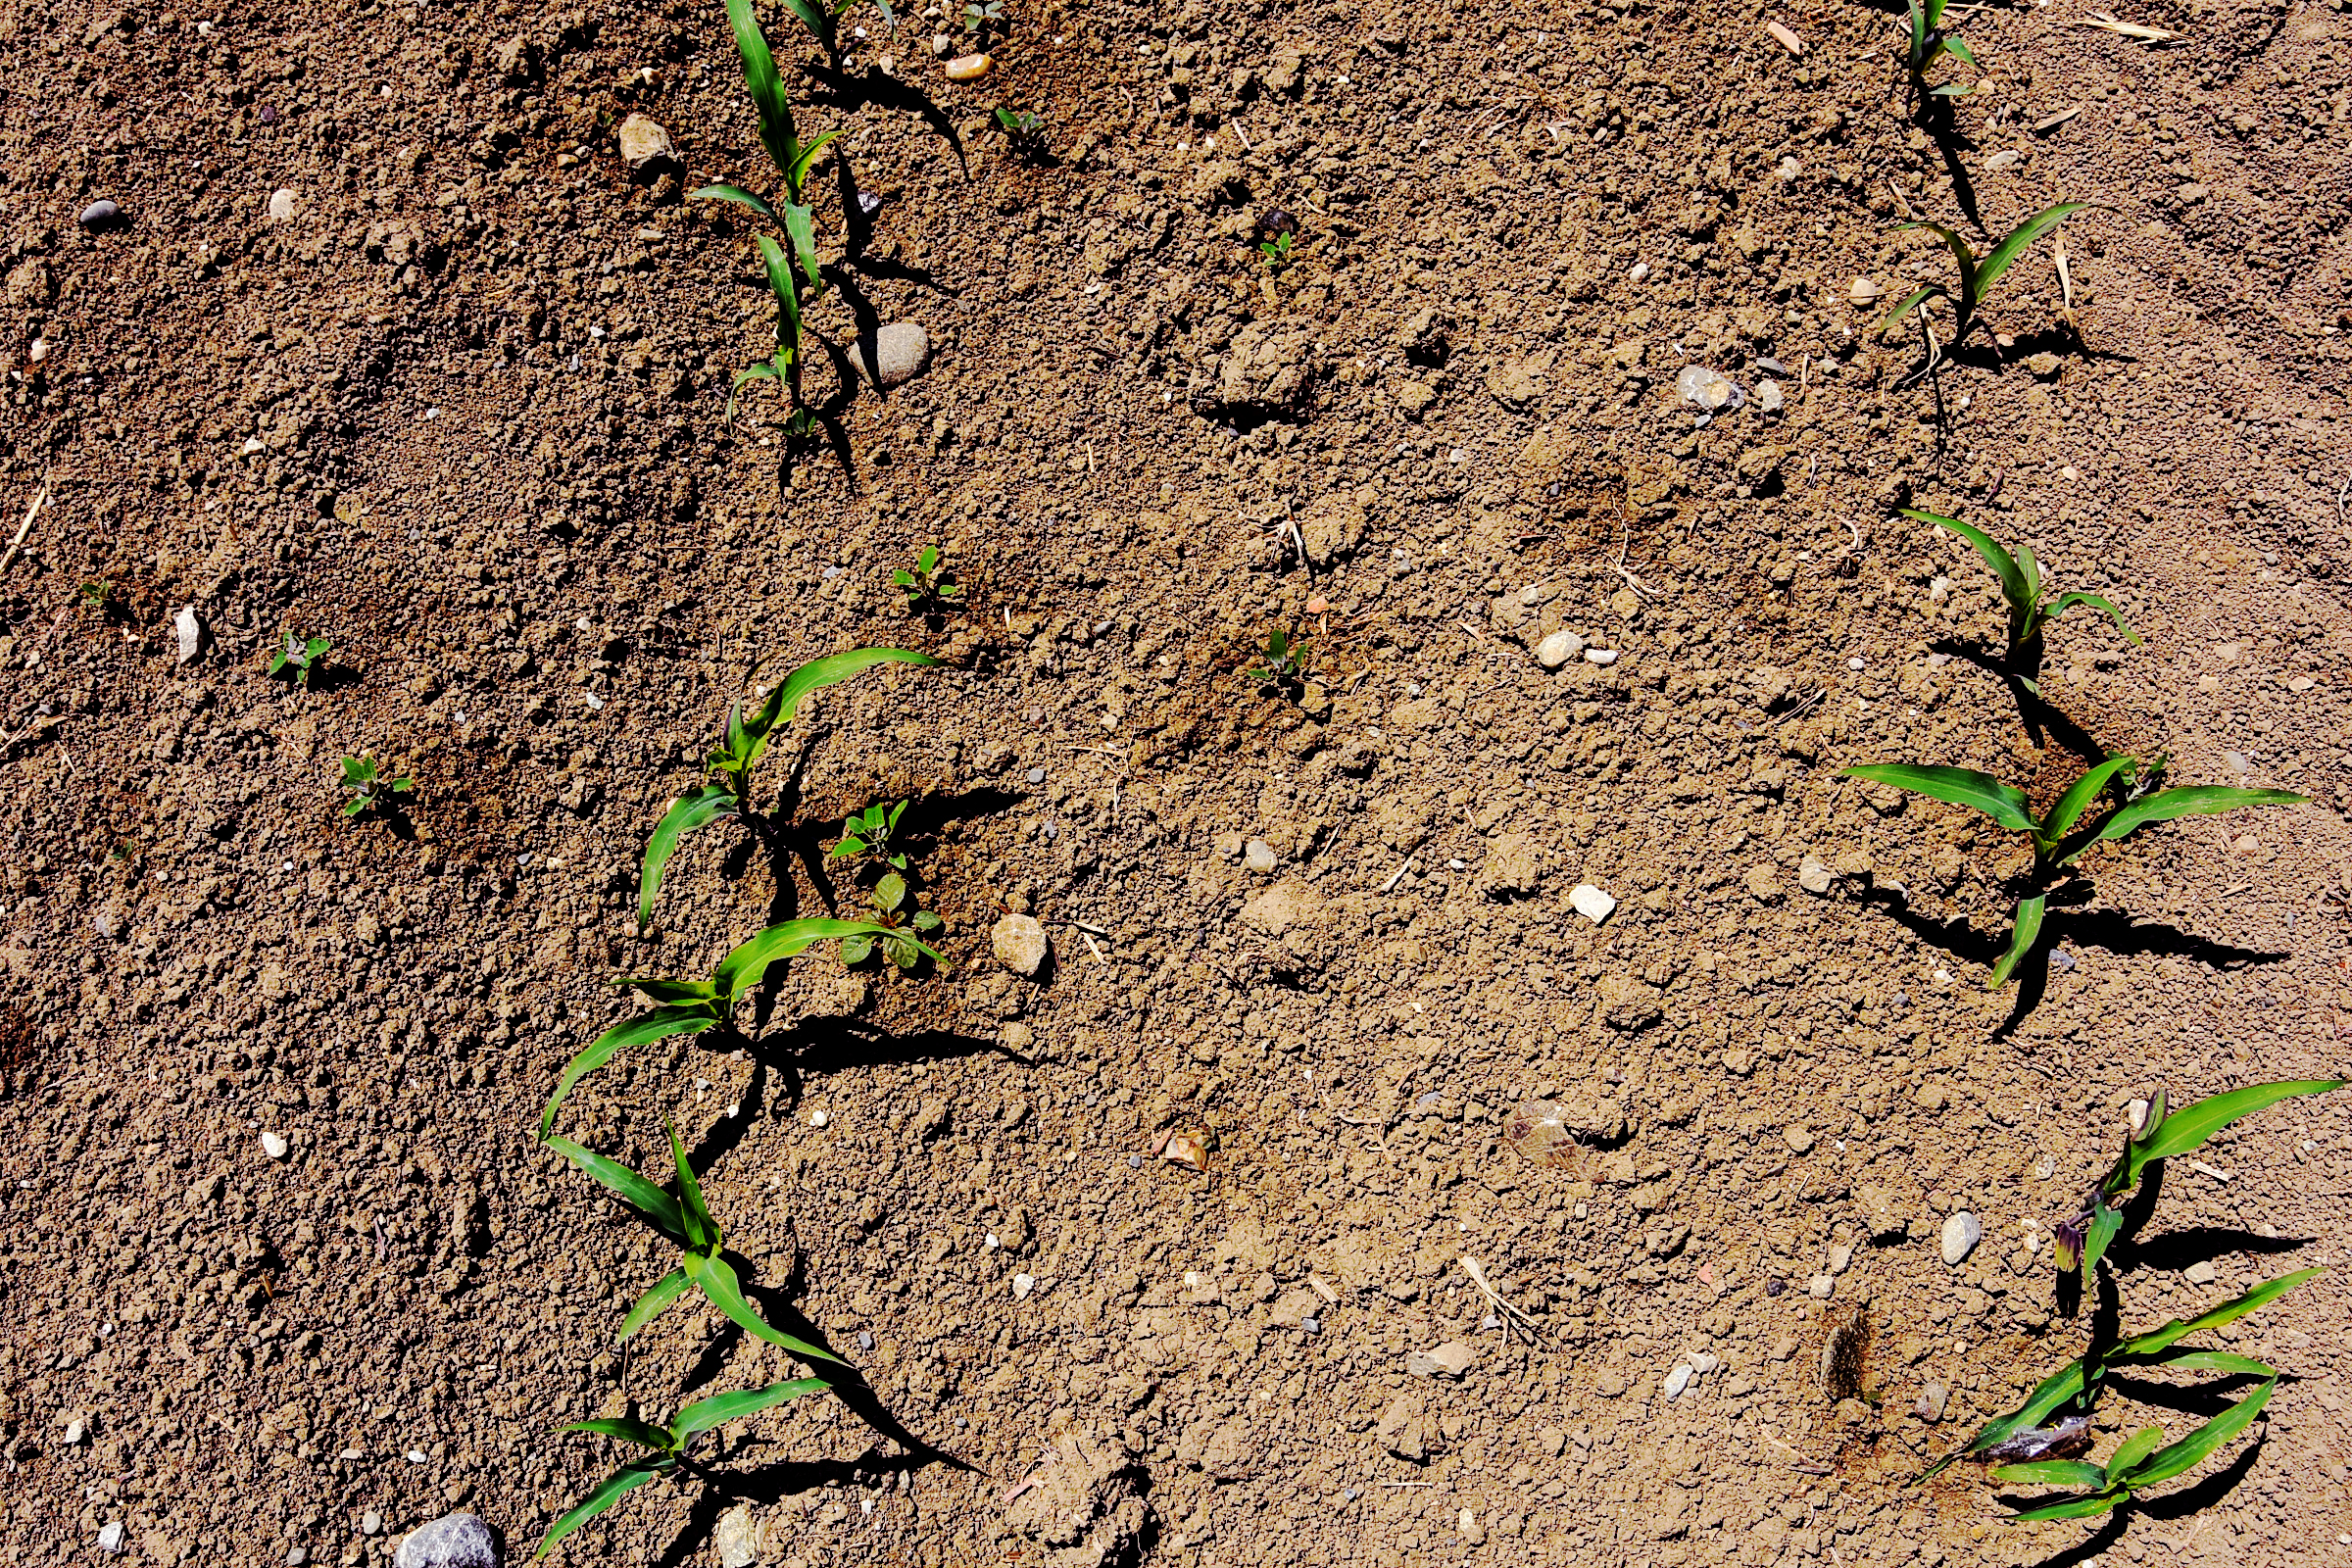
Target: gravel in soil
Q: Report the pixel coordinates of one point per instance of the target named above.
(382, 340)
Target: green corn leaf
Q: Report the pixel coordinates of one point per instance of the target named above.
(807, 160)
(800, 226)
(834, 668)
(816, 18)
(763, 372)
(738, 195)
(705, 1414)
(741, 972)
(1959, 46)
(654, 1302)
(2052, 1473)
(696, 809)
(2014, 588)
(776, 131)
(780, 280)
(2105, 1224)
(1970, 283)
(2191, 1126)
(609, 1490)
(2134, 1448)
(2073, 596)
(657, 1205)
(700, 993)
(2031, 569)
(2191, 1450)
(2160, 1339)
(2022, 934)
(2078, 794)
(715, 1278)
(1933, 10)
(700, 1233)
(2005, 804)
(2220, 1361)
(2194, 800)
(627, 1428)
(644, 1029)
(2025, 233)
(2075, 1508)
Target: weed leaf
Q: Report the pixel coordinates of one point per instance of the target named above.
(645, 1028)
(654, 1302)
(2005, 804)
(657, 1205)
(610, 1491)
(696, 809)
(705, 1414)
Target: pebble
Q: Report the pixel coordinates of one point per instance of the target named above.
(1961, 1233)
(898, 352)
(72, 1433)
(1450, 1359)
(1310, 1325)
(273, 1145)
(110, 1539)
(818, 1118)
(99, 216)
(1821, 1285)
(643, 142)
(1768, 397)
(283, 204)
(372, 1523)
(2201, 1272)
(737, 1538)
(1472, 1531)
(1862, 292)
(1676, 1382)
(1559, 648)
(453, 1541)
(296, 1556)
(1022, 1285)
(865, 1339)
(1929, 1407)
(192, 632)
(967, 67)
(1707, 389)
(1591, 902)
(1801, 1139)
(1600, 656)
(1841, 1259)
(1814, 877)
(1260, 856)
(1019, 944)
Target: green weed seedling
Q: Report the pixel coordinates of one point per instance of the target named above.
(796, 283)
(982, 17)
(2082, 1241)
(1285, 663)
(97, 594)
(686, 1220)
(928, 584)
(2031, 606)
(372, 791)
(1276, 252)
(739, 751)
(1925, 42)
(870, 833)
(1977, 276)
(666, 1447)
(2127, 799)
(895, 911)
(301, 658)
(694, 1007)
(2142, 1459)
(1023, 130)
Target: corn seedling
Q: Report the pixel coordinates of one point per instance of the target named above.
(694, 1006)
(1977, 275)
(1285, 663)
(896, 912)
(2031, 606)
(2125, 798)
(823, 21)
(301, 658)
(871, 832)
(96, 594)
(2142, 1459)
(2064, 1399)
(371, 792)
(686, 1220)
(2155, 1135)
(927, 584)
(795, 282)
(665, 1447)
(1925, 42)
(739, 751)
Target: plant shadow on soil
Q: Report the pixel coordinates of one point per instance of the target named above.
(2110, 930)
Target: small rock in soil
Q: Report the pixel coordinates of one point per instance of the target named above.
(191, 633)
(283, 204)
(1768, 397)
(1450, 1359)
(1260, 856)
(453, 1541)
(1591, 902)
(1801, 1139)
(1019, 944)
(2201, 1272)
(1814, 877)
(1706, 389)
(110, 1539)
(1600, 656)
(1676, 1382)
(372, 1523)
(899, 351)
(644, 143)
(1558, 648)
(737, 1539)
(1961, 1233)
(273, 1145)
(101, 215)
(1929, 1407)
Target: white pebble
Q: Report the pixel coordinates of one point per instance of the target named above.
(1591, 902)
(1600, 656)
(1022, 1285)
(1676, 1382)
(1961, 1233)
(273, 1145)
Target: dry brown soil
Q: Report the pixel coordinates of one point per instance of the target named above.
(461, 409)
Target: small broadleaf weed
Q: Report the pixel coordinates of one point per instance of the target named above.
(300, 657)
(371, 789)
(929, 585)
(1284, 666)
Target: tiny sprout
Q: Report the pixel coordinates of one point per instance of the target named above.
(372, 792)
(928, 584)
(870, 833)
(1925, 42)
(302, 657)
(1285, 666)
(979, 15)
(1276, 252)
(96, 594)
(894, 910)
(1019, 125)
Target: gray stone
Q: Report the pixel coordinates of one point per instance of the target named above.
(1591, 902)
(2201, 1272)
(1019, 944)
(190, 629)
(110, 1539)
(1961, 1233)
(643, 143)
(1814, 877)
(1450, 1359)
(1676, 1382)
(1768, 397)
(1929, 1407)
(898, 352)
(1260, 856)
(1558, 648)
(453, 1541)
(100, 214)
(283, 203)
